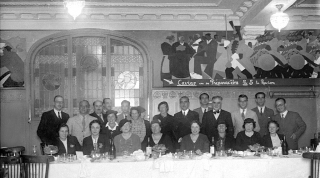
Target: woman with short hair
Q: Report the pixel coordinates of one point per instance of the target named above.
(126, 142)
(111, 129)
(96, 141)
(248, 137)
(273, 139)
(195, 141)
(66, 143)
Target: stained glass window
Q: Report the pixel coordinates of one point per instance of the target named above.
(87, 67)
(126, 64)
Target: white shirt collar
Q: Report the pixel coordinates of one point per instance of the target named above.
(208, 41)
(186, 111)
(263, 107)
(115, 128)
(95, 140)
(56, 112)
(245, 110)
(204, 109)
(284, 114)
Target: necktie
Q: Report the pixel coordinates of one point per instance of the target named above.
(83, 124)
(242, 114)
(125, 116)
(101, 117)
(282, 116)
(205, 110)
(184, 113)
(59, 116)
(260, 111)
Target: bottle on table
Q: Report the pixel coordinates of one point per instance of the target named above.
(316, 141)
(112, 150)
(284, 146)
(212, 147)
(148, 149)
(34, 150)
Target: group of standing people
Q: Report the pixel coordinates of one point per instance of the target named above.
(187, 130)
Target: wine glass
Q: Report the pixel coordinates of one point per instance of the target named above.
(34, 150)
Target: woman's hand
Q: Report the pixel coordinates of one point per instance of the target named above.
(198, 152)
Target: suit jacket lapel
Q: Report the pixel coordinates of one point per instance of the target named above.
(62, 146)
(54, 115)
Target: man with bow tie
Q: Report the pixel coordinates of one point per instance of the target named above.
(264, 113)
(183, 119)
(50, 121)
(213, 117)
(291, 124)
(98, 113)
(204, 105)
(240, 115)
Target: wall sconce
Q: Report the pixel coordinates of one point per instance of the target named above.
(74, 7)
(279, 20)
(293, 94)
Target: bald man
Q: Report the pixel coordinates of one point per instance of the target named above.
(79, 124)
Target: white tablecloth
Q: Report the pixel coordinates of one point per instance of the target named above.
(213, 168)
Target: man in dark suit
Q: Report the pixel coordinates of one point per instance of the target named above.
(212, 118)
(264, 114)
(183, 119)
(204, 103)
(291, 123)
(211, 47)
(97, 113)
(107, 105)
(179, 63)
(50, 121)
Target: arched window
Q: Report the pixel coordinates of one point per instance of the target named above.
(87, 64)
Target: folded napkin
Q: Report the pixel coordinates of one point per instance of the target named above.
(164, 164)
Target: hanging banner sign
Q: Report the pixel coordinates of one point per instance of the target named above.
(239, 82)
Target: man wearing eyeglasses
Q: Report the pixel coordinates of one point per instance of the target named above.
(213, 117)
(291, 123)
(50, 121)
(240, 115)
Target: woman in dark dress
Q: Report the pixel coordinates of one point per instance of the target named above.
(96, 141)
(227, 139)
(273, 139)
(166, 120)
(195, 141)
(111, 129)
(65, 142)
(158, 138)
(247, 138)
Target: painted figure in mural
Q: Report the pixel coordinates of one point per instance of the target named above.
(179, 63)
(244, 52)
(166, 48)
(211, 50)
(15, 65)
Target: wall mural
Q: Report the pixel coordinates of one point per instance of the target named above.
(224, 59)
(12, 55)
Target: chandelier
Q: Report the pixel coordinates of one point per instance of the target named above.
(279, 20)
(74, 7)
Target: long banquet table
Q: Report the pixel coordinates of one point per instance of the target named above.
(249, 167)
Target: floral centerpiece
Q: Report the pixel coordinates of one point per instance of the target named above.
(158, 149)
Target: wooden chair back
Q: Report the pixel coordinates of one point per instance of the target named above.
(10, 167)
(315, 164)
(12, 150)
(35, 166)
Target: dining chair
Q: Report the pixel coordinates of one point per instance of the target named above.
(12, 151)
(315, 164)
(10, 167)
(35, 166)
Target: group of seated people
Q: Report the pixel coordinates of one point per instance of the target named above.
(177, 133)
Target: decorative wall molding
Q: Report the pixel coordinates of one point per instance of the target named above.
(100, 4)
(12, 95)
(194, 94)
(244, 7)
(251, 32)
(134, 16)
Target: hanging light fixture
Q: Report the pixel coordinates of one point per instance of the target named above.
(74, 7)
(279, 20)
